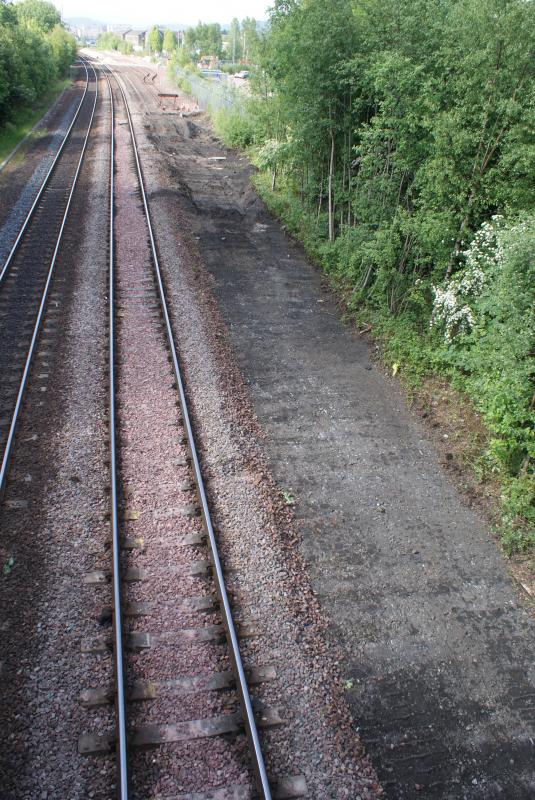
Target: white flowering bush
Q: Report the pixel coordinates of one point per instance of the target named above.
(487, 313)
(453, 305)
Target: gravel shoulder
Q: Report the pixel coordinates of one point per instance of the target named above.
(437, 652)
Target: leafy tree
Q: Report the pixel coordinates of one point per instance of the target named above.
(170, 41)
(401, 129)
(302, 59)
(40, 13)
(204, 39)
(155, 40)
(181, 57)
(63, 48)
(235, 42)
(110, 41)
(34, 50)
(250, 39)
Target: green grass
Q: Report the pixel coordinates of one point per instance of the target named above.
(24, 118)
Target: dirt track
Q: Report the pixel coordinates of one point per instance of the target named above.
(438, 654)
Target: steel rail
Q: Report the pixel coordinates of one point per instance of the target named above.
(44, 184)
(31, 351)
(123, 781)
(232, 638)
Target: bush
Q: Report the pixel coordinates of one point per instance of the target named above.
(234, 128)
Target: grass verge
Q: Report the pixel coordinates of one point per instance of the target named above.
(25, 117)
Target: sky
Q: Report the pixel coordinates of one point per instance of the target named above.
(162, 11)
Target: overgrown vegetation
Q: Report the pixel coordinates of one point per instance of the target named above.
(35, 51)
(398, 141)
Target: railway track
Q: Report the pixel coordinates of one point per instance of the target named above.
(165, 566)
(26, 275)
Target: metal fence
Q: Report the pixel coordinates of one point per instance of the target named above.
(213, 92)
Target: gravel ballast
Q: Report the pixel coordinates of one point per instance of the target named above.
(157, 487)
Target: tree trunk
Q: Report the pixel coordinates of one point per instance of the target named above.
(320, 198)
(330, 190)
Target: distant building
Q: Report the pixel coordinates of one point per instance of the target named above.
(136, 38)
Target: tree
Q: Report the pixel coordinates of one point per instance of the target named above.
(40, 13)
(249, 35)
(235, 44)
(63, 48)
(204, 40)
(110, 41)
(303, 57)
(34, 50)
(402, 131)
(155, 40)
(170, 41)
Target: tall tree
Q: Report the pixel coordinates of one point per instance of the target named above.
(170, 41)
(34, 50)
(204, 39)
(155, 40)
(235, 44)
(303, 58)
(41, 13)
(249, 36)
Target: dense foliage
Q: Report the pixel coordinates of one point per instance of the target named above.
(401, 135)
(243, 40)
(204, 39)
(35, 49)
(240, 43)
